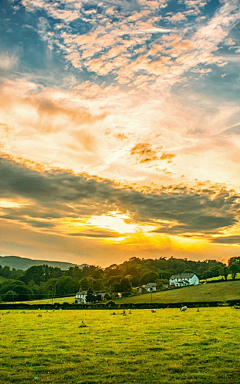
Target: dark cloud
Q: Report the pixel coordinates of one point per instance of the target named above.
(96, 234)
(202, 223)
(227, 240)
(59, 194)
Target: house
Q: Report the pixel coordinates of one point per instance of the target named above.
(183, 279)
(81, 297)
(149, 287)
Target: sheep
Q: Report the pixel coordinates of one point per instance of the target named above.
(182, 309)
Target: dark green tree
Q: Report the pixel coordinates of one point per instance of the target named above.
(150, 277)
(234, 269)
(125, 285)
(10, 296)
(66, 285)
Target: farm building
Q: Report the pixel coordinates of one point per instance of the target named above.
(183, 279)
(151, 287)
(148, 287)
(81, 297)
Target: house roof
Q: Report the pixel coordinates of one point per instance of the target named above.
(183, 275)
(82, 293)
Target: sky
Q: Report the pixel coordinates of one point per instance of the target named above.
(120, 129)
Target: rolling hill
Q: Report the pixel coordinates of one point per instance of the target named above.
(24, 263)
(203, 292)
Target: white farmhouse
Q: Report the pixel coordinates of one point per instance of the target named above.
(183, 279)
(81, 297)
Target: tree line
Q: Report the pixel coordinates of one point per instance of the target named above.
(44, 281)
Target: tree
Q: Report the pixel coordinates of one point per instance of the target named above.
(125, 285)
(49, 288)
(225, 272)
(114, 283)
(90, 298)
(234, 266)
(97, 285)
(66, 285)
(6, 272)
(150, 277)
(86, 283)
(234, 269)
(10, 296)
(23, 291)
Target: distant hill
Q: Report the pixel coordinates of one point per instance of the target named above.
(24, 263)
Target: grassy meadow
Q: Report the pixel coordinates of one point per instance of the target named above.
(203, 292)
(167, 346)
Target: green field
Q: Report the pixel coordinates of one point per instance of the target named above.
(222, 277)
(202, 292)
(60, 300)
(168, 346)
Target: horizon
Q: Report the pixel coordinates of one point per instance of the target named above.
(104, 267)
(120, 130)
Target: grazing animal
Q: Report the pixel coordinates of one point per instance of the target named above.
(83, 325)
(113, 313)
(152, 310)
(182, 309)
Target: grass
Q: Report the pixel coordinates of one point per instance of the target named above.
(60, 300)
(222, 277)
(165, 347)
(222, 291)
(203, 292)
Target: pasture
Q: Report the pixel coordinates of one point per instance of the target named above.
(198, 293)
(222, 291)
(167, 346)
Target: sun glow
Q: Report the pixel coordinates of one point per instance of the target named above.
(114, 221)
(8, 203)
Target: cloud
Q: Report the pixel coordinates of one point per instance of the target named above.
(203, 211)
(107, 44)
(177, 17)
(8, 61)
(227, 240)
(144, 152)
(167, 156)
(96, 234)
